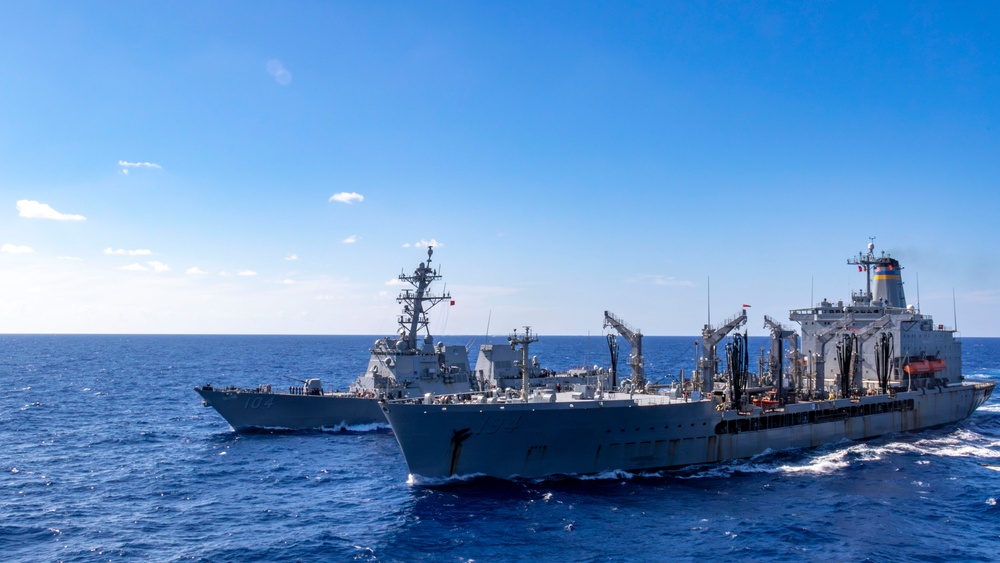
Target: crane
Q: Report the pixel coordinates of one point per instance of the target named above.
(779, 335)
(634, 338)
(822, 337)
(710, 337)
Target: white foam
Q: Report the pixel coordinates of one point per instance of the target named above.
(612, 474)
(421, 481)
(960, 443)
(990, 407)
(371, 427)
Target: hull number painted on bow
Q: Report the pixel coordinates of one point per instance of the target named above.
(495, 424)
(257, 402)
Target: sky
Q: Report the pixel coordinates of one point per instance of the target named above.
(272, 167)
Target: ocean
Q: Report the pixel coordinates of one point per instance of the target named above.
(108, 455)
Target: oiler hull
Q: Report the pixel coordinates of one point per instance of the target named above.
(578, 437)
(251, 410)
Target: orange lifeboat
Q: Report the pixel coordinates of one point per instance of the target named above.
(921, 367)
(766, 402)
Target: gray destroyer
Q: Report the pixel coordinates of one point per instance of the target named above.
(398, 367)
(869, 367)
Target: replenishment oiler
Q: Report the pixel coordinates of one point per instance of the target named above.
(398, 367)
(865, 368)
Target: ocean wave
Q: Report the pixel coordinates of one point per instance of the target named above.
(421, 481)
(611, 474)
(991, 407)
(371, 427)
(962, 443)
(773, 462)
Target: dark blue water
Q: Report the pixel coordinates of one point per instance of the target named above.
(107, 454)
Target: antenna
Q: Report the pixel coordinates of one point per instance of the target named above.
(812, 286)
(488, 318)
(709, 300)
(918, 291)
(954, 311)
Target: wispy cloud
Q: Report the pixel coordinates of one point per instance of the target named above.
(195, 271)
(292, 257)
(423, 244)
(34, 210)
(16, 249)
(127, 164)
(350, 240)
(246, 273)
(153, 265)
(158, 266)
(394, 282)
(288, 282)
(123, 252)
(347, 197)
(279, 72)
(659, 279)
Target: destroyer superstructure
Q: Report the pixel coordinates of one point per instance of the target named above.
(865, 369)
(505, 368)
(407, 365)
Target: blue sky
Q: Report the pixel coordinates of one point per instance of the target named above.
(173, 167)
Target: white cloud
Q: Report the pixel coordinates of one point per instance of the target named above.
(14, 249)
(152, 265)
(158, 266)
(35, 210)
(126, 165)
(70, 258)
(659, 279)
(423, 244)
(292, 257)
(350, 240)
(347, 197)
(395, 282)
(123, 252)
(195, 271)
(288, 282)
(246, 273)
(279, 72)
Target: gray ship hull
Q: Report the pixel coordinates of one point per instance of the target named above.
(577, 437)
(248, 409)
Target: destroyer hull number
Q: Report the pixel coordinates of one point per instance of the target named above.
(257, 402)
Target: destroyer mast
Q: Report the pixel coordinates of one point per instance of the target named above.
(414, 316)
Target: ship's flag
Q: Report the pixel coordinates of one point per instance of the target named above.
(860, 269)
(745, 305)
(452, 301)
